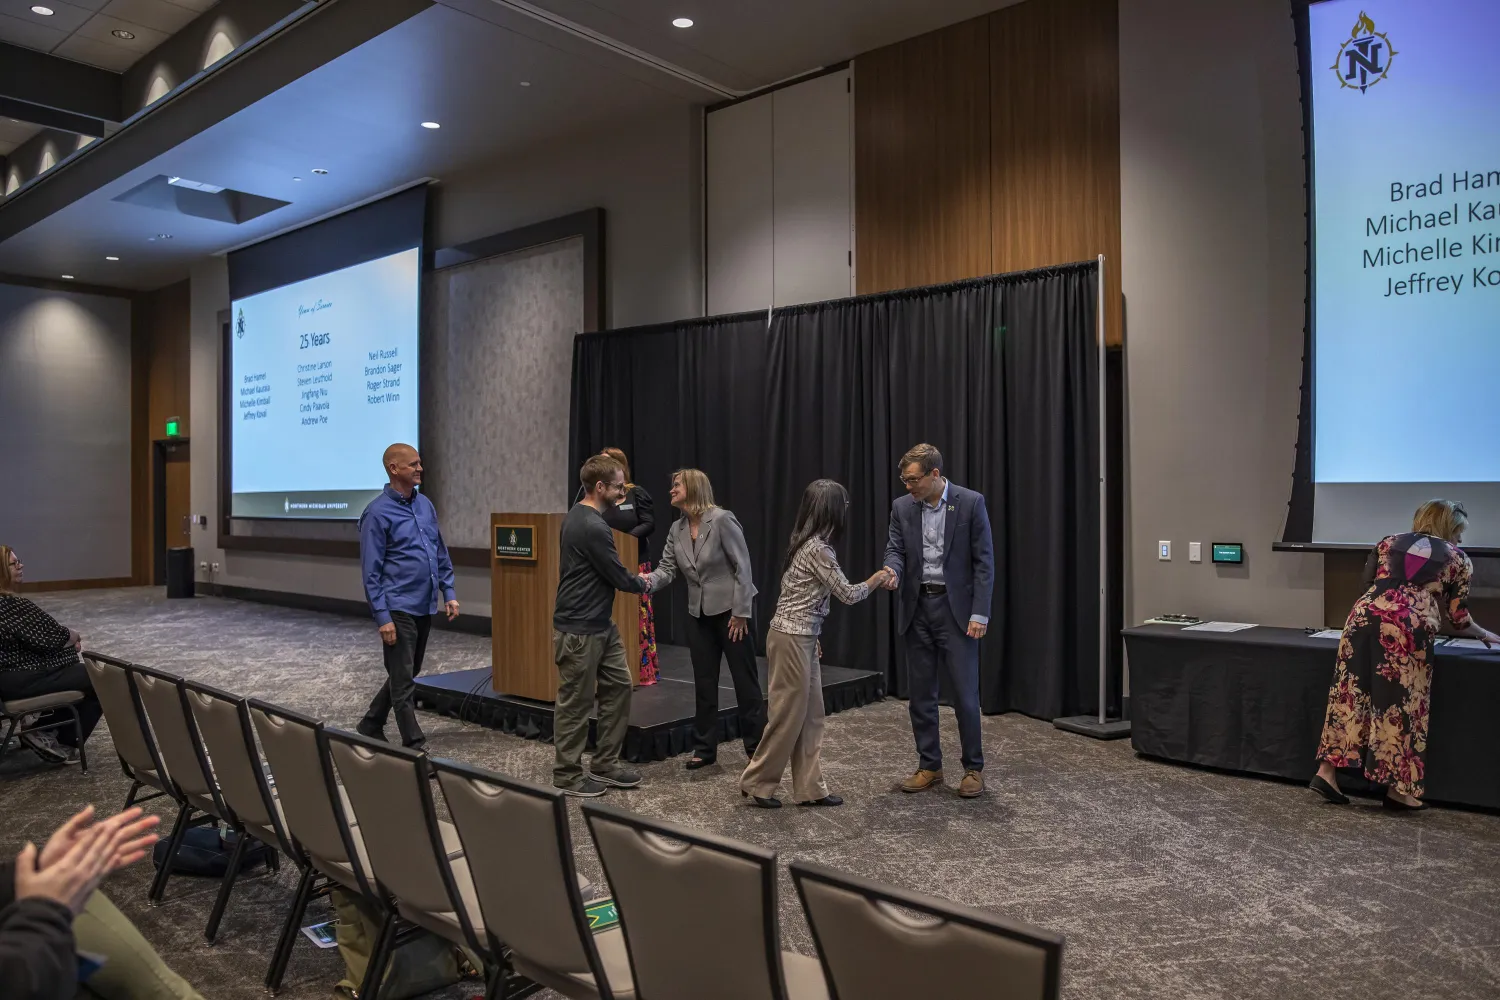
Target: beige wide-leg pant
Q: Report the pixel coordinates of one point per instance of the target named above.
(794, 722)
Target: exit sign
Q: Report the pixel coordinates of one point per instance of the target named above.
(174, 427)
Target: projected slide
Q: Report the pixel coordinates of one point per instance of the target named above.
(1406, 258)
(323, 376)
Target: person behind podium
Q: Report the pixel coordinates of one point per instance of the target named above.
(586, 644)
(1377, 705)
(406, 572)
(635, 516)
(708, 545)
(810, 573)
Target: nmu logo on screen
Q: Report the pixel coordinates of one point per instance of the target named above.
(1365, 57)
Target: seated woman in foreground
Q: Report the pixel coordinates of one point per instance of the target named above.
(40, 656)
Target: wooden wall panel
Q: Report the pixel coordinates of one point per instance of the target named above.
(991, 146)
(161, 363)
(1055, 138)
(921, 160)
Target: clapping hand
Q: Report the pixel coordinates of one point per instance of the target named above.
(133, 839)
(79, 854)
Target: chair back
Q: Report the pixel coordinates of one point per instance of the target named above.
(388, 790)
(661, 874)
(223, 723)
(122, 710)
(307, 791)
(520, 854)
(879, 941)
(161, 694)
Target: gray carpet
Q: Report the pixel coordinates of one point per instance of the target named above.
(1166, 881)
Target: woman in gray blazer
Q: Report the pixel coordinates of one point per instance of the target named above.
(707, 544)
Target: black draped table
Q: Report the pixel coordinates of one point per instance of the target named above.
(1254, 700)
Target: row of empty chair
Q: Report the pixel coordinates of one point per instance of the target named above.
(698, 913)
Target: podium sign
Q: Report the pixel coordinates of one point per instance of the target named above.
(524, 567)
(515, 541)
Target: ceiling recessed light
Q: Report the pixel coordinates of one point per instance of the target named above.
(68, 277)
(432, 125)
(296, 178)
(319, 171)
(525, 83)
(122, 33)
(44, 11)
(682, 22)
(111, 258)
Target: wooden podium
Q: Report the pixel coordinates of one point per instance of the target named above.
(523, 587)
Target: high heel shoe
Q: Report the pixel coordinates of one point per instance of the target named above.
(762, 803)
(827, 800)
(1396, 805)
(1328, 792)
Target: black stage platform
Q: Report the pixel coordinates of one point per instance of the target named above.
(661, 715)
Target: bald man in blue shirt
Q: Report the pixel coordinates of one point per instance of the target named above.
(406, 572)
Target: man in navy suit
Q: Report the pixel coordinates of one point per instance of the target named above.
(944, 559)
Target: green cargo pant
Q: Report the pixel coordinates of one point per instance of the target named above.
(586, 664)
(132, 969)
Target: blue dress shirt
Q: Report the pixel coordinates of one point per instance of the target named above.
(406, 565)
(934, 522)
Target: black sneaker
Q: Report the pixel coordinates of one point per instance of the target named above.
(585, 789)
(45, 746)
(371, 732)
(620, 777)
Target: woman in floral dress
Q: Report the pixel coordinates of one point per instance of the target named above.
(1377, 707)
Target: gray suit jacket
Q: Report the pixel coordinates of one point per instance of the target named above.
(718, 573)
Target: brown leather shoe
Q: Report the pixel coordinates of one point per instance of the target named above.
(922, 780)
(972, 786)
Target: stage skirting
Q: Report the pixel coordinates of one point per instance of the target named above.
(661, 714)
(1254, 701)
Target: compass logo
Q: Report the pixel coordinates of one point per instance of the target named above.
(1365, 57)
(239, 324)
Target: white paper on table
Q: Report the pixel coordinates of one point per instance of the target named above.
(1470, 644)
(1327, 633)
(1220, 627)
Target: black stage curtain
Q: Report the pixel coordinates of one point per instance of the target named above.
(1000, 373)
(679, 395)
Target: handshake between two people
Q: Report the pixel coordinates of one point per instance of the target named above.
(890, 580)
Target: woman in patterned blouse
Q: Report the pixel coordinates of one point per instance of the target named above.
(794, 726)
(1377, 707)
(39, 656)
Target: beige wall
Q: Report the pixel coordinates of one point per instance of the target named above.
(646, 177)
(1213, 255)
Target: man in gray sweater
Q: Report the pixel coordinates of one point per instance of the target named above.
(586, 645)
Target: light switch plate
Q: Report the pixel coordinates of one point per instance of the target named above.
(1195, 551)
(1164, 551)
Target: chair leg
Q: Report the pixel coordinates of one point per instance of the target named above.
(83, 755)
(135, 788)
(379, 956)
(225, 887)
(179, 830)
(10, 730)
(289, 929)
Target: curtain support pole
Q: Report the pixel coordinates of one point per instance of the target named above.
(1101, 728)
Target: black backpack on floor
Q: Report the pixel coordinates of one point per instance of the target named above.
(205, 852)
